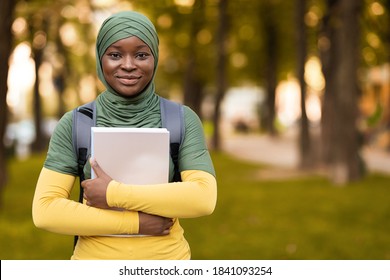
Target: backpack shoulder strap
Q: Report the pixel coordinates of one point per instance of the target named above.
(172, 118)
(84, 117)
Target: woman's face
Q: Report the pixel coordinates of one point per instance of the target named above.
(128, 66)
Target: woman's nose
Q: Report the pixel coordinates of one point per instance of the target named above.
(128, 63)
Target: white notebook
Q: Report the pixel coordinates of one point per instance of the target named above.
(132, 155)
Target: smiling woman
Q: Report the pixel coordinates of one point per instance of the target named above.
(126, 56)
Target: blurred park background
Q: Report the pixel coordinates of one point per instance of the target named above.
(295, 101)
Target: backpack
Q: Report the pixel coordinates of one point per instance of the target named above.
(84, 117)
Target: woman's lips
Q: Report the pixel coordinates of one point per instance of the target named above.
(128, 80)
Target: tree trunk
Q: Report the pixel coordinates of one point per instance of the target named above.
(40, 29)
(271, 62)
(387, 44)
(38, 143)
(341, 96)
(329, 59)
(271, 83)
(193, 88)
(221, 71)
(61, 75)
(6, 18)
(306, 158)
(347, 163)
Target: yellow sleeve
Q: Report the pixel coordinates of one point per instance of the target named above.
(52, 210)
(194, 197)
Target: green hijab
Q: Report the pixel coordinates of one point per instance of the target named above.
(120, 26)
(114, 109)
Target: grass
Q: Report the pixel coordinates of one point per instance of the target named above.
(300, 218)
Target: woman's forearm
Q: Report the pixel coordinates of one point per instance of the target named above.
(54, 211)
(194, 197)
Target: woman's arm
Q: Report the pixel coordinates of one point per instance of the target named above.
(53, 211)
(194, 197)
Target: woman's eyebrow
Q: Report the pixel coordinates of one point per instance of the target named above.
(142, 46)
(138, 47)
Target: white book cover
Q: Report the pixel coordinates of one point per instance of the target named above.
(132, 155)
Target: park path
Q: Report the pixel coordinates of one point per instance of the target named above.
(282, 152)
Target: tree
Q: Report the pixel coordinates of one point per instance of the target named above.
(71, 62)
(387, 45)
(270, 69)
(304, 139)
(341, 61)
(328, 56)
(6, 19)
(39, 26)
(193, 85)
(221, 70)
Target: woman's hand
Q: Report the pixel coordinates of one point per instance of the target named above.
(95, 195)
(154, 225)
(95, 189)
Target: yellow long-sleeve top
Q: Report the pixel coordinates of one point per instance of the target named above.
(54, 211)
(195, 196)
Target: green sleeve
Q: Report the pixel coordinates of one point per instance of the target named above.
(60, 155)
(194, 154)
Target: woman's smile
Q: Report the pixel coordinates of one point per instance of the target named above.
(128, 80)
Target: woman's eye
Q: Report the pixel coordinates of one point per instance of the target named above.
(114, 55)
(142, 55)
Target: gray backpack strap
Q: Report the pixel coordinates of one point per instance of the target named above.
(84, 117)
(172, 118)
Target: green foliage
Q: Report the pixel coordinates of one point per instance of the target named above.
(19, 238)
(376, 117)
(305, 218)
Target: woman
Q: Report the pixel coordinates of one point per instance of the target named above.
(127, 56)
